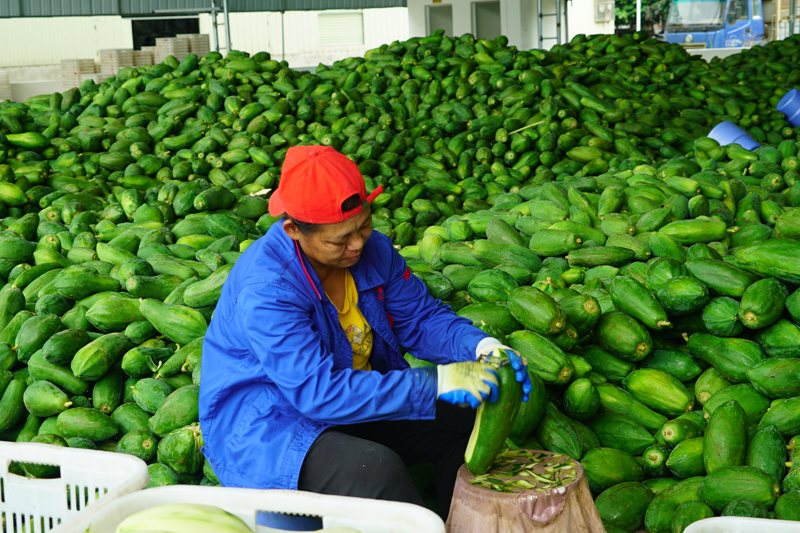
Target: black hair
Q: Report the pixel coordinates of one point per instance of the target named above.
(308, 229)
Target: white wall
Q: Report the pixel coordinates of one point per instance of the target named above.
(581, 19)
(46, 41)
(22, 91)
(255, 32)
(462, 16)
(518, 19)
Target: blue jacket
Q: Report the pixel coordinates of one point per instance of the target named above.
(278, 368)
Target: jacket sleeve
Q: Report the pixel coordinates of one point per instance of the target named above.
(282, 335)
(426, 327)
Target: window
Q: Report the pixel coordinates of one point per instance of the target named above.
(737, 11)
(604, 10)
(341, 29)
(684, 13)
(755, 7)
(145, 31)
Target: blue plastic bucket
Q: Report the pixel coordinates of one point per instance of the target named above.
(729, 133)
(790, 106)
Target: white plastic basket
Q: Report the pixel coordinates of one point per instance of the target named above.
(736, 524)
(363, 515)
(38, 505)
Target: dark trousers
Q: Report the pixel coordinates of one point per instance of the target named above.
(369, 460)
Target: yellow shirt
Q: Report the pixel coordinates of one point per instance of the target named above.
(355, 326)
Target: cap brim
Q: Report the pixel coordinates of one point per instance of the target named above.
(276, 205)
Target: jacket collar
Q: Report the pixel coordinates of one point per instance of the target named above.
(364, 273)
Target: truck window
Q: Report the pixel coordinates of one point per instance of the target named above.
(688, 15)
(737, 11)
(755, 7)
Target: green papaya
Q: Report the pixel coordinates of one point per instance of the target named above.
(688, 513)
(34, 333)
(180, 324)
(114, 313)
(616, 431)
(96, 358)
(732, 357)
(762, 303)
(161, 475)
(606, 467)
(107, 392)
(557, 434)
(623, 336)
(543, 357)
(530, 412)
(581, 399)
(725, 440)
(86, 423)
(617, 401)
(179, 409)
(633, 299)
(150, 394)
(659, 391)
(130, 417)
(62, 346)
(139, 443)
(624, 505)
(180, 450)
(767, 451)
(536, 311)
(43, 399)
(721, 487)
(493, 422)
(662, 508)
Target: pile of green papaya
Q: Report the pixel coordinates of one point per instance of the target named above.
(569, 202)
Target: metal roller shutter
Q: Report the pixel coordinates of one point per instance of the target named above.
(341, 28)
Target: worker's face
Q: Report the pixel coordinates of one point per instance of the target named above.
(335, 245)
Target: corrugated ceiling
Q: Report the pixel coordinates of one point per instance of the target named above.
(134, 8)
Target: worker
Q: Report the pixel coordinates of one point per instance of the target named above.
(304, 385)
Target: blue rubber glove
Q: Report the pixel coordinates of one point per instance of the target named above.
(467, 383)
(487, 348)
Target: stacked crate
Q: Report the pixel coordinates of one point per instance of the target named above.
(111, 61)
(182, 46)
(198, 43)
(5, 86)
(151, 51)
(73, 69)
(142, 57)
(171, 46)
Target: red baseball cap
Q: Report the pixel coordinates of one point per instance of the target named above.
(315, 181)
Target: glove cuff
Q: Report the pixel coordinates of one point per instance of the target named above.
(487, 346)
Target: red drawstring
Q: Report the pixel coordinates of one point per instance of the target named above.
(378, 190)
(297, 247)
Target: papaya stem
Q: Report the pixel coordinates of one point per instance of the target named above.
(528, 126)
